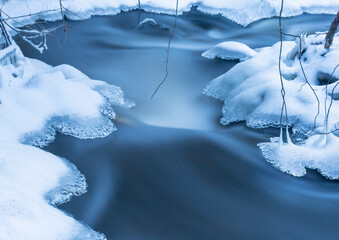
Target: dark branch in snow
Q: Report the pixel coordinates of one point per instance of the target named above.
(331, 32)
(139, 11)
(168, 49)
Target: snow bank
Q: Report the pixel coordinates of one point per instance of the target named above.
(230, 51)
(251, 93)
(243, 12)
(36, 101)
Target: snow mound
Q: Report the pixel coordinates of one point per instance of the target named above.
(242, 12)
(149, 24)
(251, 92)
(230, 51)
(36, 100)
(53, 99)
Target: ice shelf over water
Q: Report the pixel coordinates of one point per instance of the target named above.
(243, 12)
(251, 92)
(36, 100)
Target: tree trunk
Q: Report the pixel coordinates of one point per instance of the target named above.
(331, 32)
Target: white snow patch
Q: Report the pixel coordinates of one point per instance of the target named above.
(243, 12)
(230, 51)
(251, 93)
(27, 175)
(317, 152)
(36, 100)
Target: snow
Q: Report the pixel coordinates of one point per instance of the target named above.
(149, 24)
(243, 12)
(251, 93)
(317, 152)
(27, 176)
(230, 51)
(36, 101)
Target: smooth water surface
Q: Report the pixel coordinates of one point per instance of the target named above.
(171, 171)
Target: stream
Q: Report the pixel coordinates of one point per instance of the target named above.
(171, 170)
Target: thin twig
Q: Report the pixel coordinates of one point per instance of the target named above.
(282, 91)
(304, 74)
(66, 27)
(31, 32)
(29, 9)
(32, 14)
(327, 113)
(332, 98)
(168, 49)
(139, 11)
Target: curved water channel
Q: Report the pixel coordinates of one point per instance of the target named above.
(171, 171)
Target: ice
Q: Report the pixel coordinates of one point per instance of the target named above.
(243, 12)
(38, 100)
(251, 92)
(230, 51)
(318, 152)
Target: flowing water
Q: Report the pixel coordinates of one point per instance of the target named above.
(171, 171)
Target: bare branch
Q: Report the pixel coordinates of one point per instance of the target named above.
(331, 32)
(28, 33)
(282, 91)
(31, 14)
(168, 49)
(304, 75)
(139, 11)
(332, 98)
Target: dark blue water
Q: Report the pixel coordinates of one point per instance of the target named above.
(171, 171)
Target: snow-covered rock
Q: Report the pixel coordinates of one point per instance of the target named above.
(149, 24)
(230, 51)
(251, 92)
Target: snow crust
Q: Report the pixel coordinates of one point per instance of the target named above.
(36, 101)
(242, 12)
(230, 51)
(251, 93)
